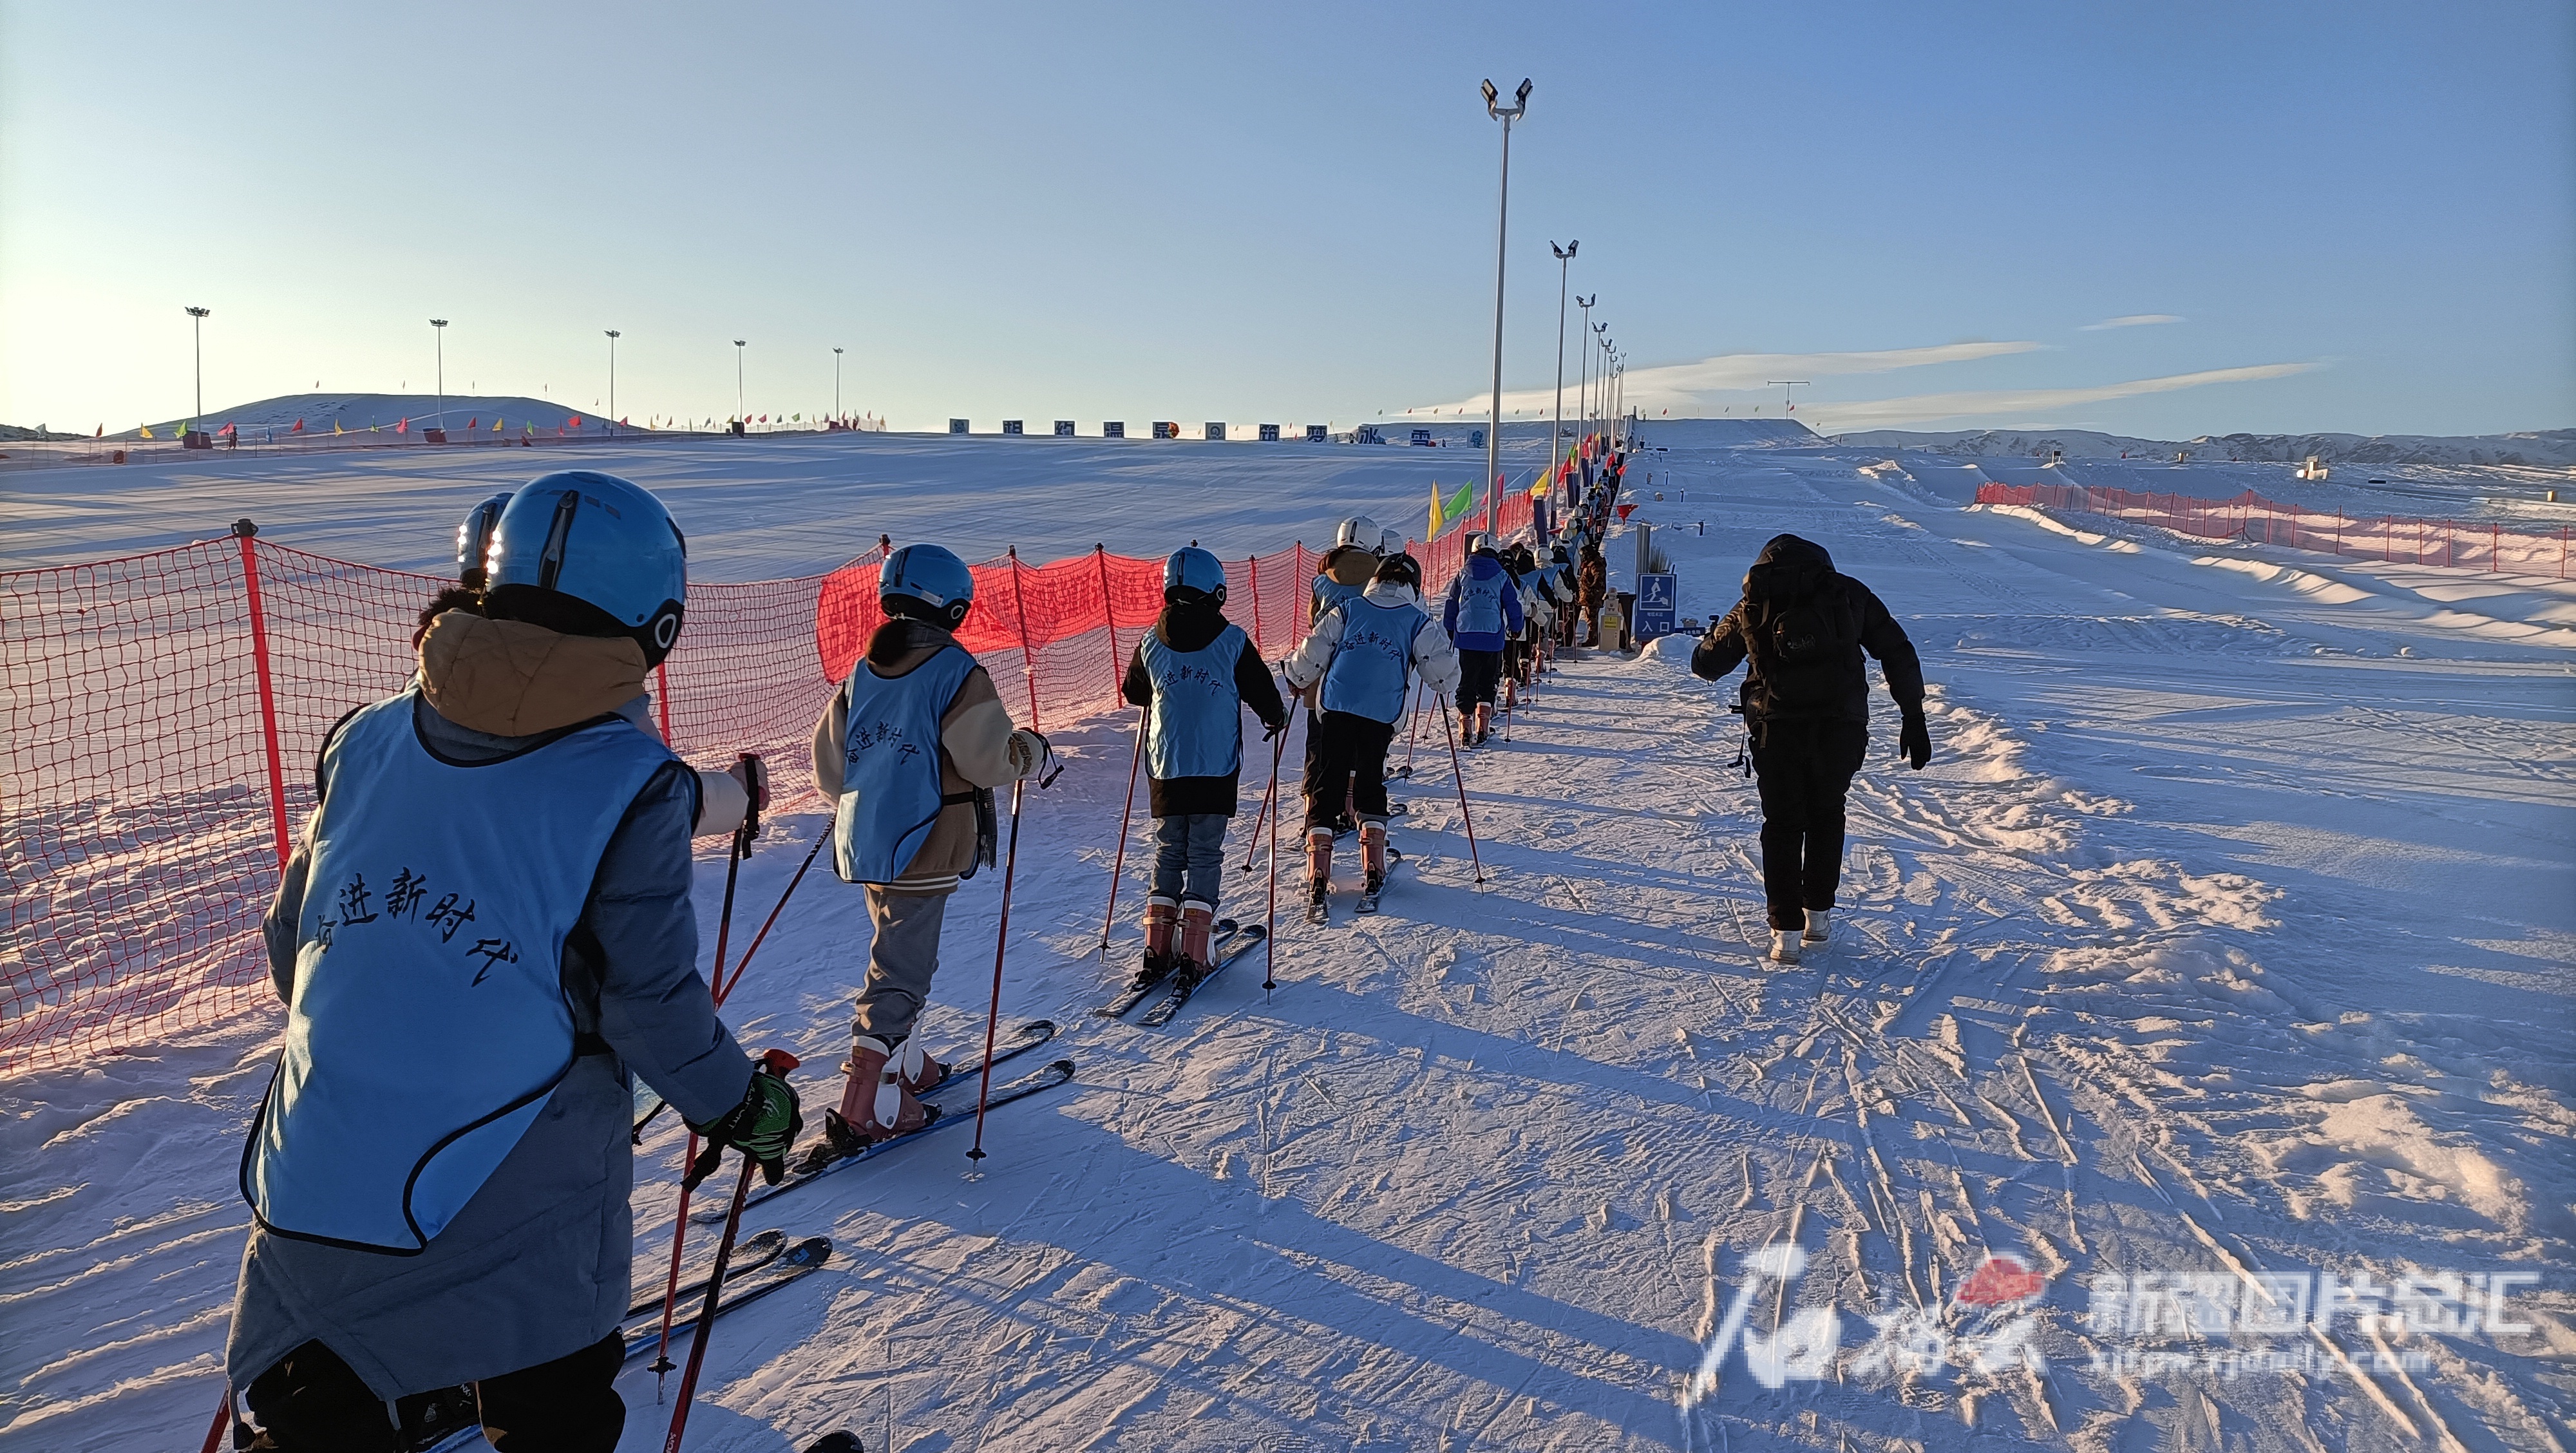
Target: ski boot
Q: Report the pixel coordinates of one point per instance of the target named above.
(1319, 872)
(1162, 919)
(1819, 927)
(875, 1106)
(1373, 865)
(1784, 945)
(1195, 959)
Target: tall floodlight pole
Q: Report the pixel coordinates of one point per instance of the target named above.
(836, 385)
(198, 327)
(1564, 256)
(1502, 231)
(1601, 378)
(438, 330)
(611, 421)
(1784, 385)
(1583, 359)
(741, 410)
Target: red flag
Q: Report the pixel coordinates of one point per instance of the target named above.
(473, 424)
(226, 429)
(299, 427)
(764, 418)
(624, 425)
(574, 422)
(403, 427)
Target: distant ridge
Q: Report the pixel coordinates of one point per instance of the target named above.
(2546, 448)
(355, 413)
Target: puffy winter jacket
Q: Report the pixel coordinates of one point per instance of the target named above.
(1483, 609)
(536, 1264)
(1193, 628)
(978, 747)
(1592, 579)
(1804, 628)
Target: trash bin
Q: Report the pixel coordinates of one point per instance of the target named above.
(1627, 617)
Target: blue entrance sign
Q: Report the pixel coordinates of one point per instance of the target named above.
(1658, 603)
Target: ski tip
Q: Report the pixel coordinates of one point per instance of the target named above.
(1062, 1069)
(812, 1251)
(840, 1442)
(1037, 1028)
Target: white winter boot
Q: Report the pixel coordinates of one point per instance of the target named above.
(1784, 945)
(1819, 926)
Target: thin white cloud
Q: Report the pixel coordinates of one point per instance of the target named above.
(2131, 320)
(1845, 418)
(1681, 387)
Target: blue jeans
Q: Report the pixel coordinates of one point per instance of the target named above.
(1189, 857)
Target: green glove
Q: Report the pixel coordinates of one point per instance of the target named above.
(763, 1126)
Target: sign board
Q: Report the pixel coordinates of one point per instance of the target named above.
(1314, 433)
(1064, 428)
(1658, 605)
(1011, 426)
(1422, 438)
(1166, 429)
(957, 426)
(1114, 429)
(1270, 433)
(1216, 433)
(1367, 434)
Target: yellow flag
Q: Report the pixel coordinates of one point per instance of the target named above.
(335, 426)
(147, 431)
(496, 423)
(1433, 533)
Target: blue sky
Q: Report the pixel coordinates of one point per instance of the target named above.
(2358, 216)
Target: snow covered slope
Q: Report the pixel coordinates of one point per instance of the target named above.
(2231, 933)
(2545, 448)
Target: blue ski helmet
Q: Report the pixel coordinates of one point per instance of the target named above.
(926, 583)
(589, 554)
(1193, 575)
(474, 540)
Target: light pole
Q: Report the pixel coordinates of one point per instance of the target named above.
(1502, 230)
(610, 421)
(1784, 385)
(198, 327)
(836, 385)
(1564, 257)
(741, 411)
(438, 330)
(1583, 360)
(1601, 380)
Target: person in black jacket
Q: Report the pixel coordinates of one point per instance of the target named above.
(1806, 706)
(1194, 676)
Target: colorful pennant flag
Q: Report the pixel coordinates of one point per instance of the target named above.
(474, 423)
(299, 427)
(404, 427)
(147, 431)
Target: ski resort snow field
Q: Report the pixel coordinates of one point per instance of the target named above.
(2227, 945)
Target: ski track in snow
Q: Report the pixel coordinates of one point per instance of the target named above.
(2230, 930)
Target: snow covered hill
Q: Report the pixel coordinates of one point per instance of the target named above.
(2545, 448)
(2230, 940)
(357, 413)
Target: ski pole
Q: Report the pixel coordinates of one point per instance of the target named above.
(1252, 844)
(754, 947)
(707, 1311)
(1458, 774)
(1415, 734)
(1270, 934)
(735, 851)
(223, 1419)
(1001, 942)
(1118, 869)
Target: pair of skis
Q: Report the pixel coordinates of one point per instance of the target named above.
(1318, 911)
(1027, 1037)
(1232, 941)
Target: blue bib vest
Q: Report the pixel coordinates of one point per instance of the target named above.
(428, 1024)
(1196, 726)
(1374, 662)
(1330, 593)
(1480, 601)
(890, 795)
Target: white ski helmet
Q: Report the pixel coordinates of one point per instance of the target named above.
(1390, 542)
(1358, 530)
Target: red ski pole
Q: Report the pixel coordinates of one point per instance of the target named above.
(1001, 943)
(772, 1062)
(1270, 933)
(1118, 869)
(754, 946)
(1458, 774)
(1415, 734)
(223, 1420)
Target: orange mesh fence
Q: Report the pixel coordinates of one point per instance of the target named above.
(2249, 517)
(163, 712)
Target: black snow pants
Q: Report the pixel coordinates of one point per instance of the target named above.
(312, 1403)
(1352, 750)
(1803, 769)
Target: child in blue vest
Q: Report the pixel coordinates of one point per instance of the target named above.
(484, 937)
(1481, 615)
(1194, 675)
(909, 750)
(1362, 654)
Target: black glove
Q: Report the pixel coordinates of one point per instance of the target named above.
(1914, 740)
(1272, 730)
(753, 774)
(762, 1127)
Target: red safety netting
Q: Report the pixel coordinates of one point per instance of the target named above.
(2394, 539)
(163, 713)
